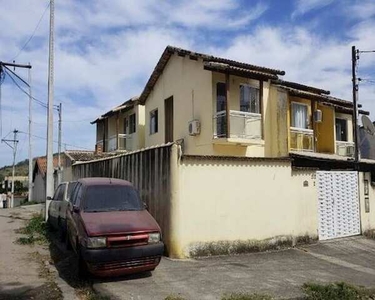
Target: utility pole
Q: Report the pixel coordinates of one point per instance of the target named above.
(49, 177)
(30, 196)
(5, 65)
(14, 148)
(59, 145)
(355, 58)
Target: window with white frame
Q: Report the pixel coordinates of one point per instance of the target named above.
(341, 130)
(249, 99)
(299, 116)
(154, 121)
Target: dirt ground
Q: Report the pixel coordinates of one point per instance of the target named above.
(26, 271)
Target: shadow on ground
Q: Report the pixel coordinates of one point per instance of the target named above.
(65, 262)
(22, 292)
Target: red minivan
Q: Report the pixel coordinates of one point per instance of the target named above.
(110, 229)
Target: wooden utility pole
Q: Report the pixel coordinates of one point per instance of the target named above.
(355, 105)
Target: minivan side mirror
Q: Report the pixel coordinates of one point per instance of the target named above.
(49, 198)
(76, 209)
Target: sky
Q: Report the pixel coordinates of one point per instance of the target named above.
(105, 52)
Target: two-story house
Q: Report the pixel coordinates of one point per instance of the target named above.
(217, 106)
(121, 128)
(235, 155)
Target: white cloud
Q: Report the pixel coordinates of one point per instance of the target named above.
(305, 6)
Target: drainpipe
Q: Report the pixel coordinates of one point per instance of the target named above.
(227, 108)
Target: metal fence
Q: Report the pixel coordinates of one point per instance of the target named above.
(148, 170)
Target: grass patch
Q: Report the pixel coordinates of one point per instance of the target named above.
(244, 296)
(90, 294)
(36, 231)
(25, 202)
(336, 291)
(172, 297)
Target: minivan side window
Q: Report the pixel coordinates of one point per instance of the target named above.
(77, 195)
(56, 195)
(60, 195)
(71, 188)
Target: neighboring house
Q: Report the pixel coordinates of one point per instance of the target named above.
(7, 182)
(122, 128)
(39, 177)
(74, 156)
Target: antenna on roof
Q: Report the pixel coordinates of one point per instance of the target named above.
(368, 125)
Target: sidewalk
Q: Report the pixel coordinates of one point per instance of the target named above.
(280, 274)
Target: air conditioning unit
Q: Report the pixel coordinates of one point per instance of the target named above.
(194, 127)
(349, 150)
(318, 116)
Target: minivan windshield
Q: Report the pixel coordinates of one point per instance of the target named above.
(111, 198)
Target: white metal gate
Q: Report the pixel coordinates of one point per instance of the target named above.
(338, 204)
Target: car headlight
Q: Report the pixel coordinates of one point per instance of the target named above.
(96, 242)
(153, 238)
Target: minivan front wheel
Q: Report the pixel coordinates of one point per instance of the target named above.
(83, 271)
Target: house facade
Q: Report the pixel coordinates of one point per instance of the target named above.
(215, 106)
(121, 129)
(235, 156)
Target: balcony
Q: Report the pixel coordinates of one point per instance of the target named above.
(244, 126)
(120, 142)
(345, 148)
(301, 139)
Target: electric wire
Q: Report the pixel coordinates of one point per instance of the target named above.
(41, 103)
(33, 34)
(43, 138)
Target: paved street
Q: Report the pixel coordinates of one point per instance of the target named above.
(277, 273)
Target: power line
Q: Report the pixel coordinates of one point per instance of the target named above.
(41, 103)
(43, 138)
(32, 35)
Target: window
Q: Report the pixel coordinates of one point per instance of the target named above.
(71, 187)
(154, 121)
(299, 116)
(57, 194)
(77, 194)
(249, 99)
(111, 198)
(341, 130)
(221, 95)
(126, 125)
(132, 125)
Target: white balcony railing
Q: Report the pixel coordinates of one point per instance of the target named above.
(345, 148)
(301, 139)
(112, 143)
(243, 125)
(125, 142)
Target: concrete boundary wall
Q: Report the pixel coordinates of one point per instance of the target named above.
(245, 204)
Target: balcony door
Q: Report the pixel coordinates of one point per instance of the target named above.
(168, 112)
(221, 100)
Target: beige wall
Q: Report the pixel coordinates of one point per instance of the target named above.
(367, 219)
(194, 95)
(241, 200)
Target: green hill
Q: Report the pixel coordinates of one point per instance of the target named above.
(22, 169)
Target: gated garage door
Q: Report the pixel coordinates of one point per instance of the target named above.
(338, 204)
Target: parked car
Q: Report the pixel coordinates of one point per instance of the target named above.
(58, 207)
(110, 229)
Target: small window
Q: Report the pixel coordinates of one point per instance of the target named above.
(299, 116)
(132, 125)
(249, 99)
(341, 130)
(71, 187)
(57, 193)
(154, 121)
